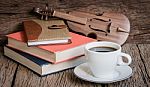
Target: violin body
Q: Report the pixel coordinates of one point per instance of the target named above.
(116, 29)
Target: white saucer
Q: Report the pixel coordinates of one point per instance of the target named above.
(83, 72)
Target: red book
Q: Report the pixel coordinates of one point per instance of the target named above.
(51, 53)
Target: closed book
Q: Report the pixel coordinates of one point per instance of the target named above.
(51, 53)
(38, 65)
(41, 32)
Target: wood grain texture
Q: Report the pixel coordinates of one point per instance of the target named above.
(12, 13)
(139, 78)
(145, 58)
(7, 71)
(26, 78)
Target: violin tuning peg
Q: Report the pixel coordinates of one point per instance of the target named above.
(46, 8)
(42, 17)
(46, 18)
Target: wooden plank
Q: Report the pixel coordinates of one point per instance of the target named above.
(7, 71)
(145, 58)
(139, 78)
(26, 78)
(141, 38)
(66, 79)
(12, 23)
(23, 6)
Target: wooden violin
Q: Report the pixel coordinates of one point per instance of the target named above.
(107, 26)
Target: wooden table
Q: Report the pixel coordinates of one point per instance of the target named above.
(13, 74)
(13, 12)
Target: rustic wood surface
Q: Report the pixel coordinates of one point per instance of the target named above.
(7, 71)
(13, 74)
(13, 12)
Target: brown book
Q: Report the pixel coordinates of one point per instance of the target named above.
(40, 32)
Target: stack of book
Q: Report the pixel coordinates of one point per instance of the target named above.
(46, 46)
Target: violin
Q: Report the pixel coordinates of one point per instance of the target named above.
(113, 27)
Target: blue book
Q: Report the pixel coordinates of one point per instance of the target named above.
(38, 65)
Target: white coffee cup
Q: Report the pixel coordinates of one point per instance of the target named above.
(103, 64)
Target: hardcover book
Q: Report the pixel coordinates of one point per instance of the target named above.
(40, 32)
(40, 66)
(51, 53)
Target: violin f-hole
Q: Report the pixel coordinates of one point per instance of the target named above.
(104, 20)
(98, 30)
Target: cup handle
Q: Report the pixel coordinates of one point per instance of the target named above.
(120, 60)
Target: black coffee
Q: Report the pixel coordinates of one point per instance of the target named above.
(103, 49)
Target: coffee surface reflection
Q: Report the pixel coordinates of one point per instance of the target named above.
(103, 49)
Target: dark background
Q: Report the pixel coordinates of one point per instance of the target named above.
(13, 12)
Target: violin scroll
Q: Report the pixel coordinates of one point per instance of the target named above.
(46, 12)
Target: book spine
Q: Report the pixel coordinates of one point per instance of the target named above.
(24, 61)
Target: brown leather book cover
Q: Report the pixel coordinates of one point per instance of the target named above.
(40, 32)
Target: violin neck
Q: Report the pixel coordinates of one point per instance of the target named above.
(76, 19)
(70, 17)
